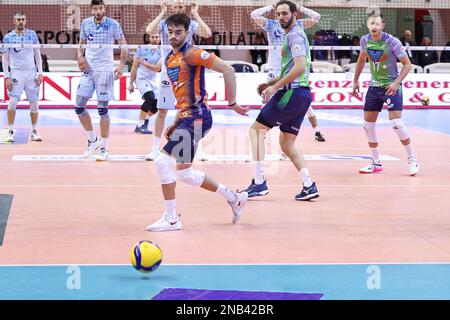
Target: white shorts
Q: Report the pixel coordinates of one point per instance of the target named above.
(272, 74)
(102, 82)
(24, 80)
(166, 98)
(145, 85)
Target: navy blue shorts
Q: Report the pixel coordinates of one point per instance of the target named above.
(190, 130)
(376, 97)
(286, 109)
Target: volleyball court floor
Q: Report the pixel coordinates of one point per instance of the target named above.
(67, 225)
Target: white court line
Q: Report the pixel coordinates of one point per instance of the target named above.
(232, 264)
(210, 157)
(187, 186)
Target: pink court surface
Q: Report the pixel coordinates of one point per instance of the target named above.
(71, 211)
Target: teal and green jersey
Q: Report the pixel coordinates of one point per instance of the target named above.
(383, 56)
(295, 45)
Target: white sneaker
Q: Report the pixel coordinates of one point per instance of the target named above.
(10, 136)
(152, 155)
(371, 168)
(238, 205)
(103, 156)
(35, 136)
(166, 224)
(92, 146)
(413, 166)
(283, 157)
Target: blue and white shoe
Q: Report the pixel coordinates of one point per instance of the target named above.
(142, 130)
(257, 190)
(308, 193)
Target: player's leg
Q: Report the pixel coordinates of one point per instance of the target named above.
(19, 79)
(32, 93)
(148, 107)
(257, 134)
(164, 103)
(395, 116)
(295, 111)
(181, 146)
(372, 107)
(104, 85)
(85, 90)
(11, 115)
(313, 120)
(287, 143)
(265, 121)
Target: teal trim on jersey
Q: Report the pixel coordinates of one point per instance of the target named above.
(285, 99)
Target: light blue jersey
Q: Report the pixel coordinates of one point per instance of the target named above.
(107, 32)
(151, 56)
(21, 58)
(275, 37)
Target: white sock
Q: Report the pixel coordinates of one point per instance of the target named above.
(226, 193)
(33, 126)
(375, 155)
(92, 136)
(11, 127)
(259, 172)
(409, 150)
(304, 173)
(171, 211)
(156, 142)
(140, 122)
(105, 143)
(316, 129)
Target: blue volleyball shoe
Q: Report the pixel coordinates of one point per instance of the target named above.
(257, 190)
(308, 193)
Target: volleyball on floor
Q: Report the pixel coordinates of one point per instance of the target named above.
(425, 101)
(146, 256)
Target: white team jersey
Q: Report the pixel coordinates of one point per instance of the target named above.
(275, 37)
(109, 30)
(21, 58)
(151, 56)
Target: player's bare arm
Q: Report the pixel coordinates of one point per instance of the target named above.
(153, 67)
(358, 69)
(80, 56)
(297, 70)
(230, 83)
(154, 24)
(202, 29)
(123, 59)
(133, 74)
(393, 87)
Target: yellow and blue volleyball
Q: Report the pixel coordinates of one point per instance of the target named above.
(425, 101)
(146, 256)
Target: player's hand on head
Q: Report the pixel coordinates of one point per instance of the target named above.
(194, 7)
(241, 110)
(164, 5)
